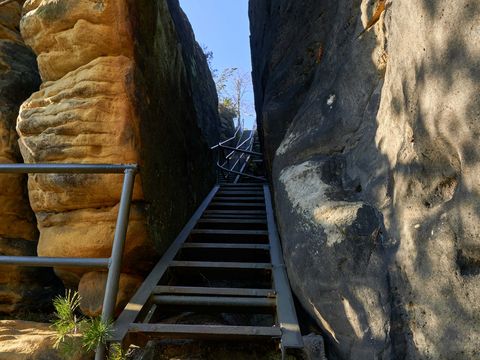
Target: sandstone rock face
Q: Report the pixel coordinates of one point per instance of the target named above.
(91, 283)
(372, 137)
(94, 106)
(18, 233)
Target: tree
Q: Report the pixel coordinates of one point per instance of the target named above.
(209, 56)
(232, 87)
(241, 86)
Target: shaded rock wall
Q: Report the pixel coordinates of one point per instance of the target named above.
(110, 96)
(372, 142)
(19, 287)
(198, 76)
(227, 124)
(177, 125)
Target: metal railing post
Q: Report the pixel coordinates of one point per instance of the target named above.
(113, 279)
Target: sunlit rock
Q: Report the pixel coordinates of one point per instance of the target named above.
(118, 79)
(369, 112)
(18, 234)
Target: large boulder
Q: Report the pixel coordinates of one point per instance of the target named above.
(368, 113)
(118, 87)
(19, 287)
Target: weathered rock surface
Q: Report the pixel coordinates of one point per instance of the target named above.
(114, 93)
(227, 125)
(92, 282)
(18, 234)
(177, 164)
(372, 142)
(26, 340)
(198, 75)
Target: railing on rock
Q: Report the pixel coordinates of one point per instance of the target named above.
(114, 262)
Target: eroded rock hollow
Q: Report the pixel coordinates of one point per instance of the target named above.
(120, 84)
(369, 116)
(19, 287)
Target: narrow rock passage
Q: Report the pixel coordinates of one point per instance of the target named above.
(223, 277)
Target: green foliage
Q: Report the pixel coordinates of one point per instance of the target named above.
(116, 353)
(76, 333)
(222, 82)
(66, 323)
(232, 86)
(209, 56)
(228, 105)
(96, 332)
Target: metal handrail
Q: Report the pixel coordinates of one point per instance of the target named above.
(248, 140)
(247, 159)
(229, 139)
(114, 262)
(240, 143)
(229, 155)
(220, 144)
(238, 146)
(245, 154)
(241, 150)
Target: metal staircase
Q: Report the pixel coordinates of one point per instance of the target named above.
(226, 263)
(236, 155)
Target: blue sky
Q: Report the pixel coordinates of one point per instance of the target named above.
(223, 26)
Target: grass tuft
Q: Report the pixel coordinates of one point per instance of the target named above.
(96, 332)
(76, 333)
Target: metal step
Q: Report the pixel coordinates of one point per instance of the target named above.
(175, 331)
(239, 192)
(226, 246)
(229, 232)
(236, 211)
(240, 185)
(216, 303)
(236, 198)
(227, 252)
(226, 260)
(232, 221)
(191, 290)
(229, 236)
(237, 204)
(234, 216)
(220, 265)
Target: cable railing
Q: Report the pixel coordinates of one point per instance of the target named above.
(114, 262)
